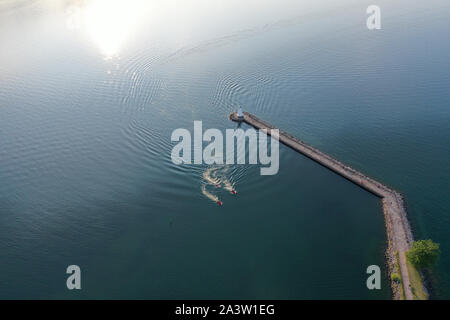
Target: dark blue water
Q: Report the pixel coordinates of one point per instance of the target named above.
(90, 94)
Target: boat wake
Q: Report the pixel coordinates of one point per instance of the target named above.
(211, 196)
(217, 176)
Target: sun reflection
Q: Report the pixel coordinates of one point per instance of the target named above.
(108, 23)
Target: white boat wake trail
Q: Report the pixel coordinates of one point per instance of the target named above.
(216, 176)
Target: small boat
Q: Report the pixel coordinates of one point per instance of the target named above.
(219, 202)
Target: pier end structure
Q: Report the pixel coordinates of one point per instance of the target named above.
(398, 230)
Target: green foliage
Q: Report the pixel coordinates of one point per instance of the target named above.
(423, 253)
(395, 277)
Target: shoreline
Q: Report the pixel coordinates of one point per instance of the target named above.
(398, 229)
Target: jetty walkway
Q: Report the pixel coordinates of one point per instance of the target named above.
(397, 226)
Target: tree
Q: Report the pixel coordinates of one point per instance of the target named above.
(423, 253)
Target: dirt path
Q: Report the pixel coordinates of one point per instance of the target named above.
(405, 277)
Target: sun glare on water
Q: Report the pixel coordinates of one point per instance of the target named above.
(107, 23)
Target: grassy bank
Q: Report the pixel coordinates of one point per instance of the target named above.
(416, 281)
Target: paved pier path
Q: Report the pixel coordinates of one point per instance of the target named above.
(398, 230)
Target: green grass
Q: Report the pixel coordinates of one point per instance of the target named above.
(399, 272)
(416, 282)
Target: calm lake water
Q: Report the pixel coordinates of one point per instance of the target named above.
(90, 92)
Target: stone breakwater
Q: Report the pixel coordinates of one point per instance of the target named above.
(398, 230)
